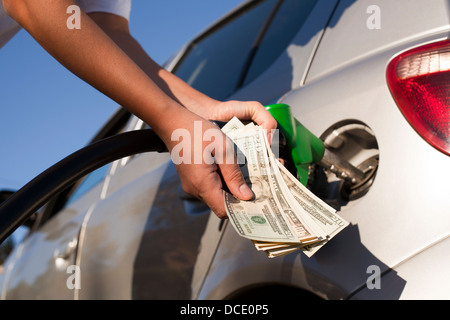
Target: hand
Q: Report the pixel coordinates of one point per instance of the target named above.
(207, 167)
(206, 163)
(243, 110)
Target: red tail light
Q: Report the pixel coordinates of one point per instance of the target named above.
(419, 80)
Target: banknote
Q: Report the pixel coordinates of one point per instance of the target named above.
(232, 125)
(261, 218)
(322, 215)
(283, 216)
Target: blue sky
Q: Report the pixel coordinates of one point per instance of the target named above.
(47, 113)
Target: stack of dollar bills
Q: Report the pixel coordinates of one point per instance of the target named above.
(284, 216)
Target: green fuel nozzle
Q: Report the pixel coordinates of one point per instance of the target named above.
(304, 148)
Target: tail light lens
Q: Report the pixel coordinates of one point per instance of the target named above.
(419, 80)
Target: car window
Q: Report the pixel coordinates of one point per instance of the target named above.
(288, 20)
(116, 124)
(89, 182)
(7, 246)
(214, 63)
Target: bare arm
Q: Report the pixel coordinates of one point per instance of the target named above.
(118, 67)
(93, 56)
(117, 29)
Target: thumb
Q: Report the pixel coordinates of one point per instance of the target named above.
(234, 180)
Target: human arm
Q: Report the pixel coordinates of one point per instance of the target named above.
(97, 59)
(117, 28)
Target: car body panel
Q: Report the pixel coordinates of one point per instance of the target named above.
(289, 70)
(424, 272)
(348, 39)
(397, 218)
(39, 268)
(131, 240)
(139, 236)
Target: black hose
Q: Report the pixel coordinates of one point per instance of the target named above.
(26, 201)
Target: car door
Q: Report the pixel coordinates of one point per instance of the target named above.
(148, 239)
(44, 265)
(260, 60)
(44, 261)
(138, 234)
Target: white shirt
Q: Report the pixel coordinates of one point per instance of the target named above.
(9, 27)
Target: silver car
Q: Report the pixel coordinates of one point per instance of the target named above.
(370, 78)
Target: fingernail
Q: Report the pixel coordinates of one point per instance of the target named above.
(246, 191)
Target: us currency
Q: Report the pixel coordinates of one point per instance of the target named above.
(232, 125)
(279, 199)
(284, 215)
(262, 217)
(299, 211)
(322, 215)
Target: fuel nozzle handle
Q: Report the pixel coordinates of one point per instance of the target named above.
(306, 149)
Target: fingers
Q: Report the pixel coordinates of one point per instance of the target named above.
(246, 110)
(212, 195)
(204, 183)
(211, 188)
(235, 181)
(230, 171)
(218, 168)
(263, 117)
(207, 181)
(232, 178)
